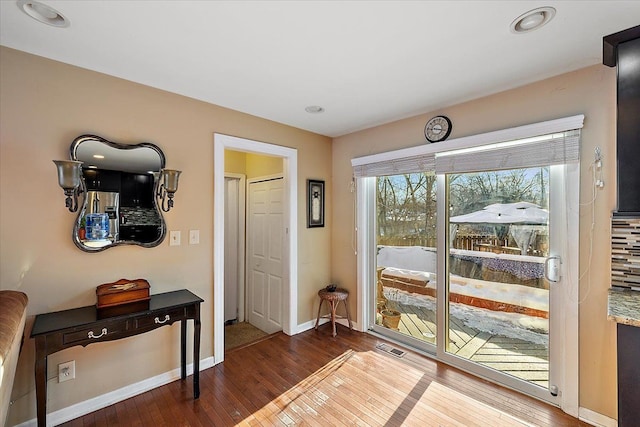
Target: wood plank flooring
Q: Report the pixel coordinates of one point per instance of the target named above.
(314, 379)
(516, 357)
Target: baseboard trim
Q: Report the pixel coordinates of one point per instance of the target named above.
(86, 407)
(303, 327)
(595, 419)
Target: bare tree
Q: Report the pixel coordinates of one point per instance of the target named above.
(406, 208)
(406, 204)
(473, 191)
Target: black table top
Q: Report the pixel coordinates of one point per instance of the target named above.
(55, 321)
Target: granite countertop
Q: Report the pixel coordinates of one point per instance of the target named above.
(624, 306)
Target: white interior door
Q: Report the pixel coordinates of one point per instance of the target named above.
(265, 232)
(231, 246)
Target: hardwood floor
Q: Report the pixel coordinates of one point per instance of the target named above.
(313, 379)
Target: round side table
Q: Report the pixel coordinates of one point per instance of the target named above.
(333, 299)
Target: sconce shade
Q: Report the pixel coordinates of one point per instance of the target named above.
(69, 173)
(170, 177)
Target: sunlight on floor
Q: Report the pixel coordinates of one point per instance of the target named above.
(376, 385)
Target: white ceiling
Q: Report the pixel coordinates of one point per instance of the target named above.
(366, 62)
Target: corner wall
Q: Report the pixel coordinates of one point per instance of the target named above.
(590, 91)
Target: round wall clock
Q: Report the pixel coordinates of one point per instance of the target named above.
(437, 129)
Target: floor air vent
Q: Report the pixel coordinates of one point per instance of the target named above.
(391, 350)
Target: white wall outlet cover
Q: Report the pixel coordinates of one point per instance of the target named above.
(66, 371)
(194, 237)
(174, 238)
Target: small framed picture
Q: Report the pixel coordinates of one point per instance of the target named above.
(315, 203)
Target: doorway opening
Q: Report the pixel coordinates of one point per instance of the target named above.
(288, 286)
(253, 303)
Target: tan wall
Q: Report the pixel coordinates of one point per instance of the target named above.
(44, 105)
(252, 165)
(591, 92)
(258, 165)
(235, 162)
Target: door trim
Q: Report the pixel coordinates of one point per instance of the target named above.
(242, 188)
(290, 173)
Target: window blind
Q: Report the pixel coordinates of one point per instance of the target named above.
(412, 164)
(551, 149)
(545, 143)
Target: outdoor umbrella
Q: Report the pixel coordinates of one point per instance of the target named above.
(505, 213)
(524, 220)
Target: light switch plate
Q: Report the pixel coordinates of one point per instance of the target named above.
(194, 237)
(174, 238)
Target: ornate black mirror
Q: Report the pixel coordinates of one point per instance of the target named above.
(119, 187)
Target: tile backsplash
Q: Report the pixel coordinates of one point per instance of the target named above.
(139, 216)
(625, 252)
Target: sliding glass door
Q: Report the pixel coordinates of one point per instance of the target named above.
(468, 250)
(406, 257)
(498, 297)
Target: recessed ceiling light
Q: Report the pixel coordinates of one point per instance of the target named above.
(532, 20)
(43, 13)
(98, 156)
(314, 109)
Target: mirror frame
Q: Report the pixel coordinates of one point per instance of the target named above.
(83, 187)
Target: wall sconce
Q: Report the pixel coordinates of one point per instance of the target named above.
(167, 188)
(69, 178)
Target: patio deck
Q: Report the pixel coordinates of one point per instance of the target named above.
(519, 358)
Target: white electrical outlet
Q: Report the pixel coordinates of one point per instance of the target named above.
(66, 371)
(174, 238)
(194, 237)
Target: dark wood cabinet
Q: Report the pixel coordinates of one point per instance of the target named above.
(137, 190)
(628, 146)
(102, 180)
(628, 375)
(140, 233)
(622, 49)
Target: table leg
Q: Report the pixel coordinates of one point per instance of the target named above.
(346, 306)
(196, 354)
(41, 381)
(318, 318)
(183, 349)
(334, 306)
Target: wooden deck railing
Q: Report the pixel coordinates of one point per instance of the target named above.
(470, 242)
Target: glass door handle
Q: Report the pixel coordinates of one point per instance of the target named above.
(552, 269)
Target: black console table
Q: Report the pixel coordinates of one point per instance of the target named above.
(83, 326)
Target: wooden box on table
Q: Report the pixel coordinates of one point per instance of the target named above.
(122, 297)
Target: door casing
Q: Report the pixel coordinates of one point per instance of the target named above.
(290, 172)
(240, 252)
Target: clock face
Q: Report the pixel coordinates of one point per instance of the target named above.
(437, 129)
